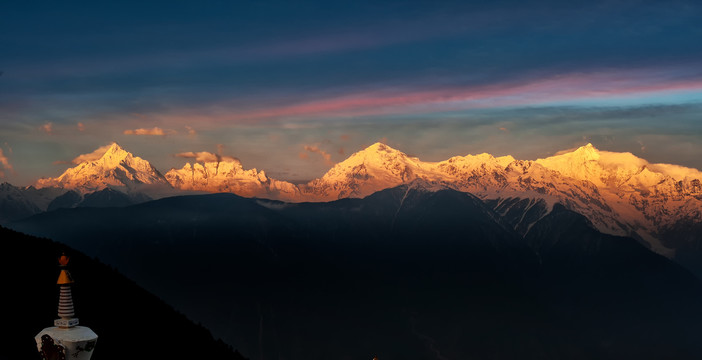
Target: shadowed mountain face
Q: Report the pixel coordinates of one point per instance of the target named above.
(130, 322)
(615, 289)
(103, 198)
(401, 274)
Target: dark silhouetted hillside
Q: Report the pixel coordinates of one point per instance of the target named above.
(401, 274)
(130, 322)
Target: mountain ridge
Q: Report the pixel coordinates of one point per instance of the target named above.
(619, 193)
(108, 166)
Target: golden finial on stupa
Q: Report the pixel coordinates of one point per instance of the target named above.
(64, 276)
(63, 260)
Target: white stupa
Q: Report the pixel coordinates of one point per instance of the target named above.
(66, 340)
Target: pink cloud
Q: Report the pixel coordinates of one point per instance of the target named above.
(573, 87)
(534, 91)
(5, 162)
(95, 155)
(204, 156)
(315, 149)
(156, 131)
(191, 131)
(47, 128)
(81, 127)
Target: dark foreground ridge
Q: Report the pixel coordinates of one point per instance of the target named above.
(401, 274)
(130, 322)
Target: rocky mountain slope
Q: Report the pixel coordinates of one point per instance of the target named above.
(18, 203)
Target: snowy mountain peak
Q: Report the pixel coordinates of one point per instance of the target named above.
(587, 153)
(615, 169)
(572, 158)
(217, 173)
(109, 166)
(374, 168)
(114, 153)
(109, 156)
(376, 152)
(114, 147)
(377, 158)
(378, 146)
(618, 192)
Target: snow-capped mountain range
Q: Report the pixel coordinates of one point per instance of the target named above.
(618, 192)
(228, 175)
(115, 167)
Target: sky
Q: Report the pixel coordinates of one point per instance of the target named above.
(292, 87)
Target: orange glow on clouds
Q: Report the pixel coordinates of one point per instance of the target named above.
(47, 128)
(156, 131)
(5, 162)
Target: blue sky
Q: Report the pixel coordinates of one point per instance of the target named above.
(267, 80)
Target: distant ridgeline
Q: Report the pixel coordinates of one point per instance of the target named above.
(621, 194)
(411, 272)
(132, 323)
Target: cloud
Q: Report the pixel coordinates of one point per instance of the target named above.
(156, 131)
(566, 151)
(81, 127)
(205, 156)
(9, 148)
(5, 162)
(303, 155)
(47, 128)
(191, 131)
(504, 129)
(597, 87)
(88, 157)
(95, 155)
(643, 147)
(316, 149)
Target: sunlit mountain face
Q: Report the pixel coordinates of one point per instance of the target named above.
(339, 180)
(619, 193)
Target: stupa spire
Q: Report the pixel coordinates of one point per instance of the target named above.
(66, 337)
(66, 312)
